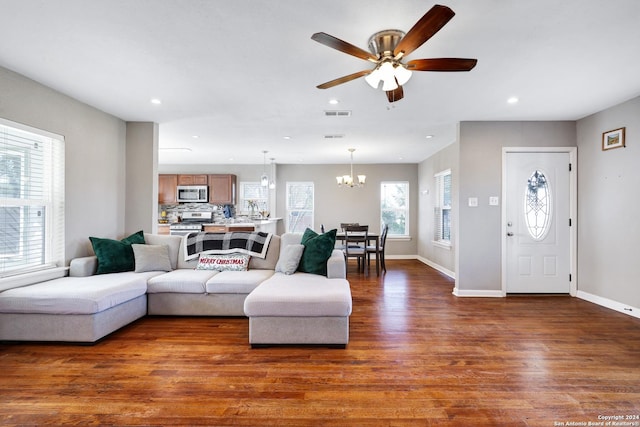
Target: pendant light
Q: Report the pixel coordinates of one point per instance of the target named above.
(272, 182)
(264, 179)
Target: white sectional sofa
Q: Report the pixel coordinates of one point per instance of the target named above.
(299, 308)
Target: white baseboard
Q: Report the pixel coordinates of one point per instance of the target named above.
(611, 304)
(435, 266)
(477, 293)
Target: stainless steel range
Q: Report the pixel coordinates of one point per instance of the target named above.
(191, 222)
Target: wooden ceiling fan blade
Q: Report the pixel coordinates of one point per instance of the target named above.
(343, 79)
(424, 29)
(395, 95)
(442, 64)
(343, 46)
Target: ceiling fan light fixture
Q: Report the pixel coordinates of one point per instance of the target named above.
(389, 84)
(388, 48)
(402, 74)
(387, 74)
(373, 78)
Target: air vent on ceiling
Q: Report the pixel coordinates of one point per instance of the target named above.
(337, 113)
(338, 136)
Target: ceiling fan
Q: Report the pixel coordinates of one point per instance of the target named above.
(389, 47)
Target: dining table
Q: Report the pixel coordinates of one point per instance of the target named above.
(371, 238)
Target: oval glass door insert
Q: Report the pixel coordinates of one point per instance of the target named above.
(537, 205)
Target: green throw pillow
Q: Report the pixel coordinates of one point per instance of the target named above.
(116, 256)
(317, 250)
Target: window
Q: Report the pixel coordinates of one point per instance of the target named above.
(537, 205)
(299, 206)
(394, 207)
(442, 211)
(31, 199)
(254, 192)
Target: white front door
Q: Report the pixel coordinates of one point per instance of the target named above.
(537, 222)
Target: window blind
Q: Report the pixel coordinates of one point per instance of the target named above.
(299, 206)
(442, 209)
(256, 192)
(31, 199)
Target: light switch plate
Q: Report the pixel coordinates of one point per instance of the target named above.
(494, 201)
(473, 202)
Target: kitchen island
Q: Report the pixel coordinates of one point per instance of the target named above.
(269, 225)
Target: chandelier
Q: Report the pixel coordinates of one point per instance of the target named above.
(347, 180)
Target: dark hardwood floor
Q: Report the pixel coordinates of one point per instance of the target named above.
(417, 356)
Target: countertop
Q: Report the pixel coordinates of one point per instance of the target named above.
(241, 223)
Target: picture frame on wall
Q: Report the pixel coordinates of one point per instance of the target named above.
(613, 139)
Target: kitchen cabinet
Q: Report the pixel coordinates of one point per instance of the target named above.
(192, 179)
(224, 228)
(222, 189)
(167, 189)
(215, 228)
(241, 227)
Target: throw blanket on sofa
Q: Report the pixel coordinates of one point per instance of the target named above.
(254, 243)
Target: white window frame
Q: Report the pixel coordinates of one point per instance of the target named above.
(440, 207)
(262, 202)
(291, 209)
(406, 210)
(41, 247)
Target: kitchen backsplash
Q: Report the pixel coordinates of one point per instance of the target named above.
(173, 211)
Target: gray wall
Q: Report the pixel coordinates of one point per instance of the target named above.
(95, 157)
(608, 207)
(141, 211)
(435, 255)
(479, 230)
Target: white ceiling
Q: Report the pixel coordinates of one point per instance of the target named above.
(241, 74)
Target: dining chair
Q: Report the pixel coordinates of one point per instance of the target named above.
(343, 225)
(340, 245)
(355, 243)
(379, 251)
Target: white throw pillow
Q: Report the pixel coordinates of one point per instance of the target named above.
(151, 257)
(226, 262)
(289, 259)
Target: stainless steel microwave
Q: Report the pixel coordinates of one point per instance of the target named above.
(193, 194)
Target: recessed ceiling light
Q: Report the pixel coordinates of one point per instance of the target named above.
(429, 136)
(156, 101)
(512, 100)
(195, 136)
(334, 101)
(286, 137)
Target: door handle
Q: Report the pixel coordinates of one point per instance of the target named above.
(509, 234)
